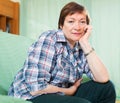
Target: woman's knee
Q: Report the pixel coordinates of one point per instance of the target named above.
(110, 88)
(107, 89)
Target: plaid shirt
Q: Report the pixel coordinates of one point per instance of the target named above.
(50, 61)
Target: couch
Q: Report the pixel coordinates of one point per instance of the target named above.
(13, 51)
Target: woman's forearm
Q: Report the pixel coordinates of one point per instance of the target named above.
(54, 89)
(48, 89)
(98, 69)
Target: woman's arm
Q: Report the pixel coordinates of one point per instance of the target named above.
(98, 69)
(54, 89)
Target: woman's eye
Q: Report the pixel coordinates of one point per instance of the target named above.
(70, 21)
(82, 22)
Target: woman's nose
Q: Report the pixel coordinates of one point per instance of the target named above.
(77, 26)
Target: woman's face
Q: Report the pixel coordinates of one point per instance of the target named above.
(74, 27)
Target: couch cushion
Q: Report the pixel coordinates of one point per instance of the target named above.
(3, 91)
(8, 99)
(13, 51)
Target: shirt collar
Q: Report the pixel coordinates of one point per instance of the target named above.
(60, 36)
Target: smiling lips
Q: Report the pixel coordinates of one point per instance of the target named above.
(77, 34)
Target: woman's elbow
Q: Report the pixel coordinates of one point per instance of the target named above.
(103, 79)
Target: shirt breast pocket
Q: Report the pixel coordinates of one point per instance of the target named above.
(64, 69)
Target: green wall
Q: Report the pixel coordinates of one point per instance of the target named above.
(106, 36)
(40, 15)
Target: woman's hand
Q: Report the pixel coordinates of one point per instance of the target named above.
(71, 90)
(84, 43)
(87, 32)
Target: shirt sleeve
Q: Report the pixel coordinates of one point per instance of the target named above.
(39, 62)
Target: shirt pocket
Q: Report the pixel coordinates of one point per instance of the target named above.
(65, 70)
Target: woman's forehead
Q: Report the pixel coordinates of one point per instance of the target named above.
(77, 15)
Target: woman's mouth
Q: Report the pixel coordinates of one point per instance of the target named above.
(77, 34)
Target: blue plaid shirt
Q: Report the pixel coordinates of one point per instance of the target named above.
(50, 61)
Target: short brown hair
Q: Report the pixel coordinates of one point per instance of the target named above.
(70, 9)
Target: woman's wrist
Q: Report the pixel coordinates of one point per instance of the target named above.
(86, 54)
(86, 47)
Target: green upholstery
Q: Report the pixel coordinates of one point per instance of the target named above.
(8, 99)
(13, 51)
